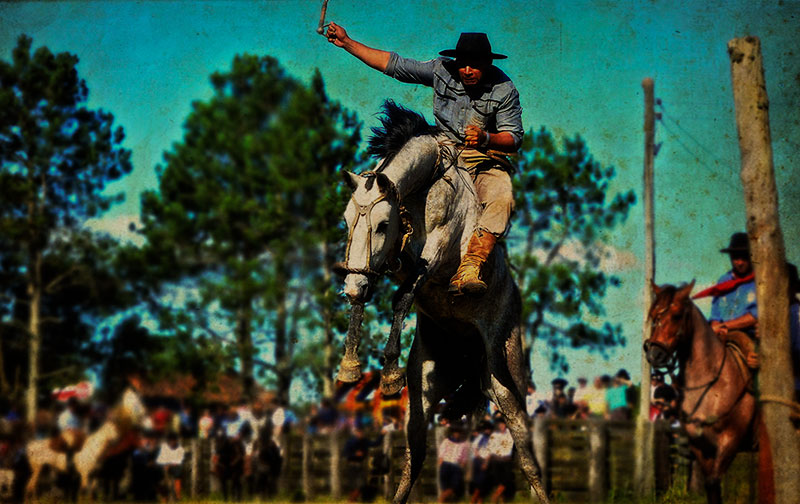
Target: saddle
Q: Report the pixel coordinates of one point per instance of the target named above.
(741, 346)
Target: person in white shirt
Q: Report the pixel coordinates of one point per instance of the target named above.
(453, 458)
(532, 400)
(501, 470)
(170, 458)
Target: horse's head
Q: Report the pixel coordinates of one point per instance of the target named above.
(669, 316)
(375, 226)
(131, 407)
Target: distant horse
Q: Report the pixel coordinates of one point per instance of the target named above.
(718, 408)
(413, 217)
(128, 414)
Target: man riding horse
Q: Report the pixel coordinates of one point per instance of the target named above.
(733, 309)
(477, 107)
(734, 312)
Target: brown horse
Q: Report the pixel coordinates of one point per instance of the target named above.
(718, 407)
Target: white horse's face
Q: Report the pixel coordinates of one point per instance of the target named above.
(133, 407)
(373, 222)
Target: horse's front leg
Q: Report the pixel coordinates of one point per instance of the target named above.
(350, 367)
(30, 488)
(391, 375)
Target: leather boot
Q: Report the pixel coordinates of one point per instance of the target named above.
(467, 279)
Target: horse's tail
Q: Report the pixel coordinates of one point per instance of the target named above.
(766, 478)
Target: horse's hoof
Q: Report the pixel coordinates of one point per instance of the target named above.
(392, 382)
(349, 371)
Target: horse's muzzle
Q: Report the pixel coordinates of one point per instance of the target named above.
(657, 355)
(357, 287)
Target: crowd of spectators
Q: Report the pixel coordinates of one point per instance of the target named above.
(246, 455)
(612, 398)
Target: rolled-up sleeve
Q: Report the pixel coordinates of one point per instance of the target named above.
(509, 116)
(409, 70)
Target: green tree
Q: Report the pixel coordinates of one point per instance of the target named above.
(564, 214)
(130, 348)
(246, 203)
(56, 158)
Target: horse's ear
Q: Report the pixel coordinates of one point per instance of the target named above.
(351, 179)
(384, 184)
(656, 289)
(684, 292)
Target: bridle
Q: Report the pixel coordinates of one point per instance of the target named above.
(658, 320)
(392, 262)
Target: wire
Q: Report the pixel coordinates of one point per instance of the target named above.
(678, 138)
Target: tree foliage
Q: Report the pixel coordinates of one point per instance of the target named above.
(245, 201)
(564, 214)
(56, 159)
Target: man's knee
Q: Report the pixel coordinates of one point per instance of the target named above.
(494, 186)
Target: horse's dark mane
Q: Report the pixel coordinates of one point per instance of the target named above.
(398, 126)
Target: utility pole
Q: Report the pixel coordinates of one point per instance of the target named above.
(775, 381)
(644, 473)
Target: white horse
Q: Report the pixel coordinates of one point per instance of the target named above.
(129, 413)
(409, 221)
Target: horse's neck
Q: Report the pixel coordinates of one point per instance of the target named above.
(705, 352)
(102, 437)
(414, 165)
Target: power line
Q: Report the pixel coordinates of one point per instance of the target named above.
(678, 138)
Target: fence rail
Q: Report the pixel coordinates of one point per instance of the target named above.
(581, 461)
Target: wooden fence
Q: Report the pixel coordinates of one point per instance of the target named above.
(581, 461)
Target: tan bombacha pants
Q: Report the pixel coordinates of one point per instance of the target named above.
(493, 188)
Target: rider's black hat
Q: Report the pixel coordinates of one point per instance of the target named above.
(739, 243)
(473, 46)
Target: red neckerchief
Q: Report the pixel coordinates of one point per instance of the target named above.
(725, 287)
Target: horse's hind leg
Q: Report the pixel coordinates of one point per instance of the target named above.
(429, 380)
(504, 392)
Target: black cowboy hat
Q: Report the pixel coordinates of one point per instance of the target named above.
(559, 383)
(473, 46)
(739, 243)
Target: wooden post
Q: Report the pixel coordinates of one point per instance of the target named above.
(336, 465)
(644, 475)
(194, 486)
(769, 262)
(598, 455)
(540, 448)
(284, 482)
(308, 447)
(387, 478)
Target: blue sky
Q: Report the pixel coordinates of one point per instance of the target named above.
(577, 64)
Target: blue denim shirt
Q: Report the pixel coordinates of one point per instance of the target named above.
(735, 303)
(496, 109)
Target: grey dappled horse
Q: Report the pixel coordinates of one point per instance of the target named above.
(413, 217)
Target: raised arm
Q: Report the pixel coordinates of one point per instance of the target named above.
(375, 58)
